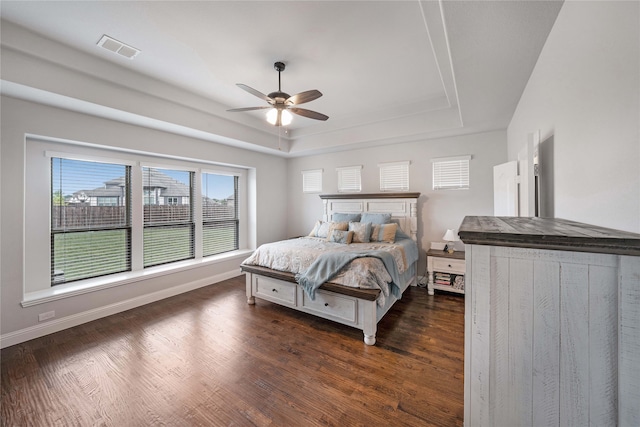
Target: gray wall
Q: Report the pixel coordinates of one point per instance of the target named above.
(583, 96)
(437, 210)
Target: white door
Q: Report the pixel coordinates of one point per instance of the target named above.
(505, 189)
(526, 181)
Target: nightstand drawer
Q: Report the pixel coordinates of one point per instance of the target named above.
(449, 265)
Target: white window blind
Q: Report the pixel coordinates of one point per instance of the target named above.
(168, 228)
(219, 213)
(312, 181)
(349, 179)
(451, 173)
(88, 237)
(394, 176)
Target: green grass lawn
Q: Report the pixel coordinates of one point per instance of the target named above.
(81, 255)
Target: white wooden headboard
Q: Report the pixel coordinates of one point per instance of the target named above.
(403, 207)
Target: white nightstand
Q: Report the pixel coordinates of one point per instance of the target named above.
(446, 271)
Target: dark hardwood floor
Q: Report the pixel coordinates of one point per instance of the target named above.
(206, 358)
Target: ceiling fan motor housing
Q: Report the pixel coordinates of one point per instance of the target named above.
(280, 97)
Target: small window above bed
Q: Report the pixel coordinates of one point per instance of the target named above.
(349, 179)
(312, 181)
(394, 176)
(451, 173)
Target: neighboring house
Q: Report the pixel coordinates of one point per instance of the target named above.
(159, 189)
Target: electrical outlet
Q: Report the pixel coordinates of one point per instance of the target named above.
(47, 315)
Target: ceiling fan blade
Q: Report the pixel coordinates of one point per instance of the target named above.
(254, 92)
(235, 110)
(302, 97)
(308, 113)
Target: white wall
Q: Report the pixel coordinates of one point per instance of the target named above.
(437, 210)
(583, 96)
(22, 117)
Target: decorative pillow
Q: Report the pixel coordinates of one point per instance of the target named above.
(342, 226)
(361, 231)
(346, 217)
(384, 233)
(314, 230)
(376, 218)
(323, 230)
(340, 236)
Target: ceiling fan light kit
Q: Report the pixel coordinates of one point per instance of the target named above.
(281, 105)
(285, 117)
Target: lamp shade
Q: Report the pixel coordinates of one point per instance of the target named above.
(450, 236)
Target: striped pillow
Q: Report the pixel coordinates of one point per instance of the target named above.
(384, 233)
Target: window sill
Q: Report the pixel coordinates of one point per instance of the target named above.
(100, 283)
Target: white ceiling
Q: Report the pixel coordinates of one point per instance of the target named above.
(390, 71)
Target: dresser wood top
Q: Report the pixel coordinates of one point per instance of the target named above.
(547, 233)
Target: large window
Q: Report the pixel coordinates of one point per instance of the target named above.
(88, 237)
(112, 217)
(168, 227)
(220, 223)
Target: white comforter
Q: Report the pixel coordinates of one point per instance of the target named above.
(296, 255)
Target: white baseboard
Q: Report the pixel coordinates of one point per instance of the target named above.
(57, 325)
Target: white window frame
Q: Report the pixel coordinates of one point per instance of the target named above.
(451, 173)
(37, 254)
(394, 176)
(164, 200)
(201, 225)
(312, 181)
(349, 179)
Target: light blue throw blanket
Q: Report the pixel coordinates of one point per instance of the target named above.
(327, 265)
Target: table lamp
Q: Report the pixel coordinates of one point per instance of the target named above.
(450, 236)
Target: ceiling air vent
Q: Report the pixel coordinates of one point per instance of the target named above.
(120, 48)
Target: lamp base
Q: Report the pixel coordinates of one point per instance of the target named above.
(449, 248)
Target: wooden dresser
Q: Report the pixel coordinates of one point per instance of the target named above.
(552, 323)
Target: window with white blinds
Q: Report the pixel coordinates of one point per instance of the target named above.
(219, 213)
(349, 180)
(312, 181)
(451, 173)
(394, 176)
(168, 216)
(89, 238)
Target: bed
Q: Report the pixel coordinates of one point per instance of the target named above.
(363, 279)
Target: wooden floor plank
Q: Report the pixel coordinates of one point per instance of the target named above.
(208, 358)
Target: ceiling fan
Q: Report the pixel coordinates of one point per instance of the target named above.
(281, 103)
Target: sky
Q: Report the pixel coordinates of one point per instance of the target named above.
(75, 175)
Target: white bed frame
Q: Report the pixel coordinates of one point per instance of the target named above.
(357, 308)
